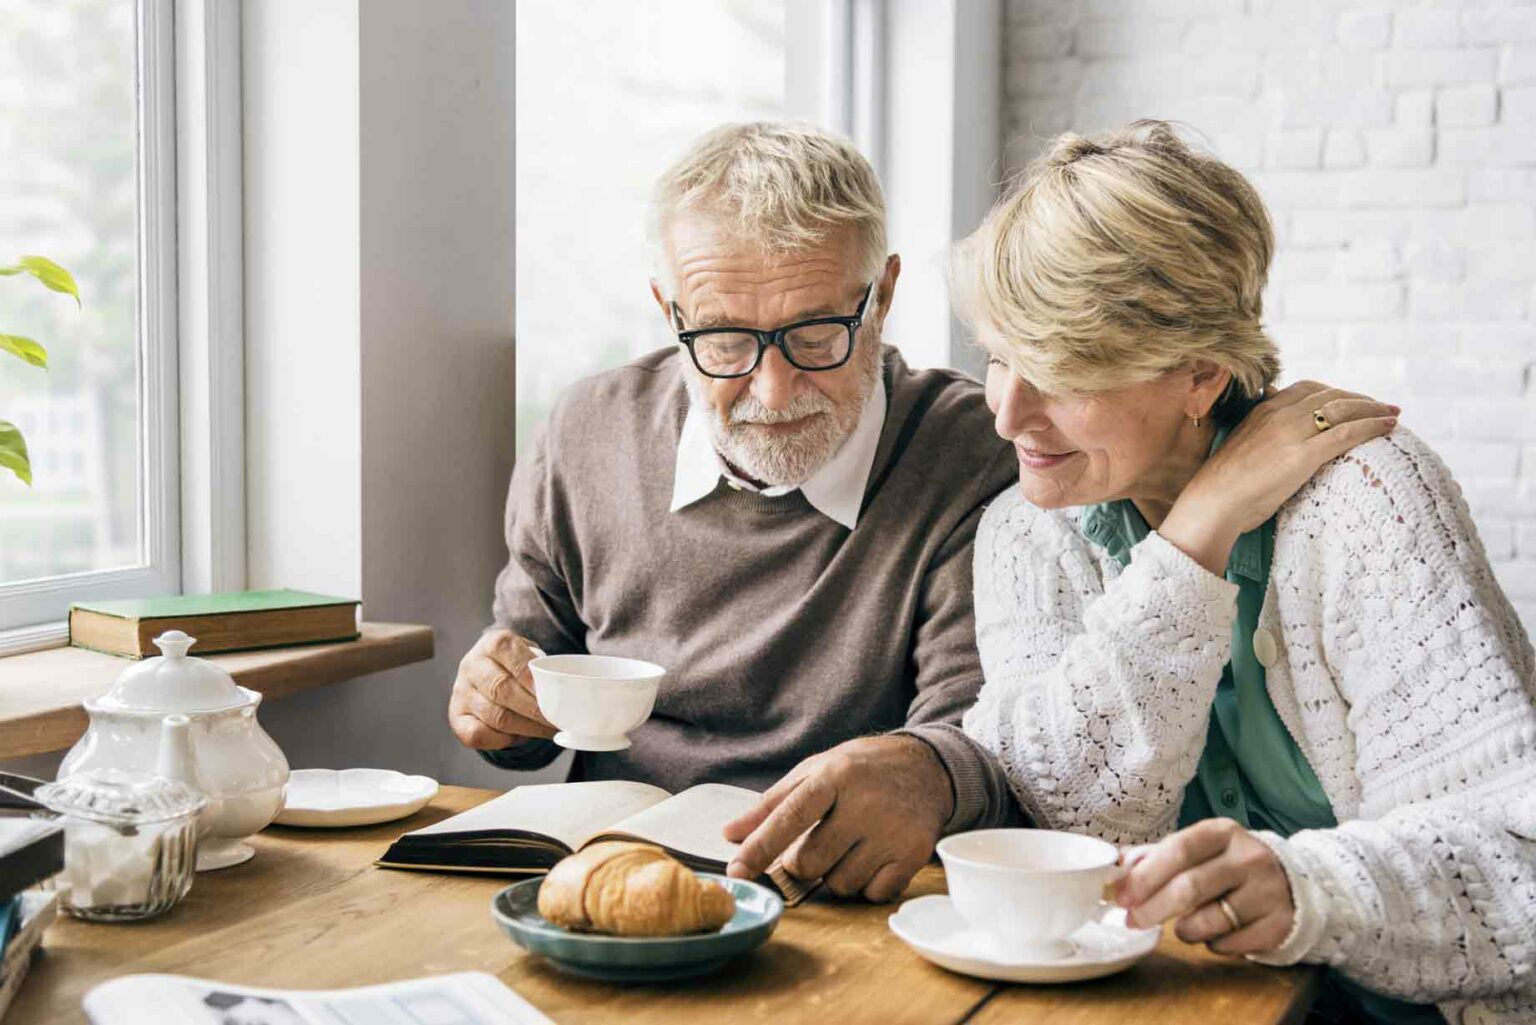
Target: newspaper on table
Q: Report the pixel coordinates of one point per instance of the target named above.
(465, 998)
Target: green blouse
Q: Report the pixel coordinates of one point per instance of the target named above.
(1251, 768)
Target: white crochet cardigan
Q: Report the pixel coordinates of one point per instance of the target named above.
(1402, 672)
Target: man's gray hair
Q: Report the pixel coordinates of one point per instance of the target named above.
(781, 185)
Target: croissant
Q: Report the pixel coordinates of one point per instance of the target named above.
(632, 889)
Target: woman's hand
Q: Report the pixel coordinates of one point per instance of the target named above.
(1266, 460)
(1186, 875)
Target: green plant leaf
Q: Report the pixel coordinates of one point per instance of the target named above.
(49, 273)
(25, 349)
(13, 452)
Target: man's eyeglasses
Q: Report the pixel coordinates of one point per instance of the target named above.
(820, 343)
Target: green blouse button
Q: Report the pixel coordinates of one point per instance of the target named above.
(1265, 650)
(1229, 798)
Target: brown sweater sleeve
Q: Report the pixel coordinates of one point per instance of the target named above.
(948, 670)
(533, 599)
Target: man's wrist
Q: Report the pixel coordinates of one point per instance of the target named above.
(938, 784)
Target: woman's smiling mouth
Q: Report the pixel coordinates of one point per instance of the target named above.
(1036, 459)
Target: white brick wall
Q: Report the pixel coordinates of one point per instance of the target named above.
(1395, 143)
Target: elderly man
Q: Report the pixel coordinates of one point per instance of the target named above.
(779, 511)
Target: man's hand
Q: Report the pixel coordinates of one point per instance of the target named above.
(493, 705)
(1185, 875)
(864, 816)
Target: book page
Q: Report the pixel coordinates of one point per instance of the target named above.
(692, 821)
(567, 812)
(466, 998)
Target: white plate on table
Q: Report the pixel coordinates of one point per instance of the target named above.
(329, 798)
(932, 927)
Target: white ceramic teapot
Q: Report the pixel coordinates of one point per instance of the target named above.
(222, 751)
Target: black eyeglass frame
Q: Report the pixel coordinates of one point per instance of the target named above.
(774, 338)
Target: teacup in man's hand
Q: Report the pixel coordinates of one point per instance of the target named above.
(493, 704)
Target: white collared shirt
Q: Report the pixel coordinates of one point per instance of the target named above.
(836, 490)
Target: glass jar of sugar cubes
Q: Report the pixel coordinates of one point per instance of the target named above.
(130, 843)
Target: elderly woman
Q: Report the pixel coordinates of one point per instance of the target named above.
(1261, 637)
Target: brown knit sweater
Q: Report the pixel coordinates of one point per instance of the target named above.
(783, 632)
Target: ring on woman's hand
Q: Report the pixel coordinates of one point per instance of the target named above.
(1226, 909)
(1320, 421)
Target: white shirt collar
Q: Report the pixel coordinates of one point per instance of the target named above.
(836, 490)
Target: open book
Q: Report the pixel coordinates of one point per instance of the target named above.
(466, 998)
(530, 828)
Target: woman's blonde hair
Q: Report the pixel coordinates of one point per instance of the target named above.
(1111, 260)
(779, 185)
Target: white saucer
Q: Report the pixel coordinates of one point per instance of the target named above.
(588, 742)
(932, 927)
(352, 797)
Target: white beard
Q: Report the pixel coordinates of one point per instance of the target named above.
(780, 458)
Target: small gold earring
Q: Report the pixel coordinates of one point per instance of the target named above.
(1196, 419)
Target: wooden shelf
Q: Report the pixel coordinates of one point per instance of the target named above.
(41, 691)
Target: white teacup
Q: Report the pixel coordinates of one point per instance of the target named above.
(1029, 888)
(595, 700)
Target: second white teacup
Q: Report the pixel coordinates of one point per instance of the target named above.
(595, 700)
(1028, 888)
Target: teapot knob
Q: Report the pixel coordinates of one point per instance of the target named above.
(174, 644)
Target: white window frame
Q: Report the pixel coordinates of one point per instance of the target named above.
(211, 290)
(917, 85)
(834, 67)
(942, 111)
(192, 496)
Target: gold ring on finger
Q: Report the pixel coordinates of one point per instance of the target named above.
(1320, 421)
(1226, 909)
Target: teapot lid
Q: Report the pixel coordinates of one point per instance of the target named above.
(121, 798)
(173, 682)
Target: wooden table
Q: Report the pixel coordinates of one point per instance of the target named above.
(310, 911)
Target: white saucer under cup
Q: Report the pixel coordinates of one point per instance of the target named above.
(595, 700)
(1103, 946)
(578, 742)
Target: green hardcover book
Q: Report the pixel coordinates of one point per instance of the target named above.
(221, 622)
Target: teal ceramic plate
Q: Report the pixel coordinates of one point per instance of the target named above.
(631, 959)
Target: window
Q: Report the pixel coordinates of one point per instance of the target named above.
(608, 95)
(86, 117)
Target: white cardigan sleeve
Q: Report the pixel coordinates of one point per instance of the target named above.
(1431, 894)
(1097, 695)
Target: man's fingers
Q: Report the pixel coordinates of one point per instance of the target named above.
(509, 649)
(500, 687)
(801, 810)
(1176, 854)
(825, 846)
(853, 871)
(741, 827)
(890, 882)
(475, 734)
(506, 721)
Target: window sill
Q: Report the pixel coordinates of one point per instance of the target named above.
(41, 691)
